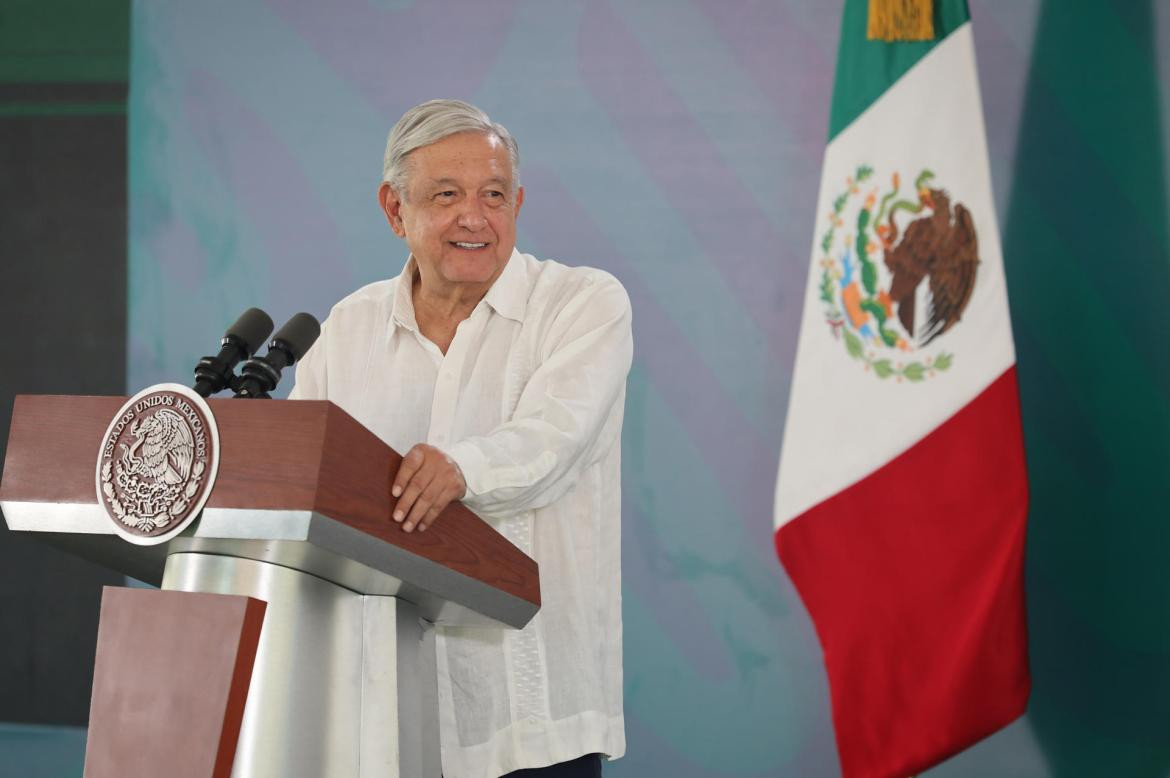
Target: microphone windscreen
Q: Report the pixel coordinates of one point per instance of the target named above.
(253, 328)
(298, 334)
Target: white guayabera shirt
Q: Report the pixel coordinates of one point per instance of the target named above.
(528, 401)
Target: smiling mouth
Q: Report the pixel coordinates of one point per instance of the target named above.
(465, 245)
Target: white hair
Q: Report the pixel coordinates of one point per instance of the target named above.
(429, 123)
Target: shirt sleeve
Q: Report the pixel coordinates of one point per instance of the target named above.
(568, 415)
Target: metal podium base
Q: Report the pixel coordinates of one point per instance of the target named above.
(344, 684)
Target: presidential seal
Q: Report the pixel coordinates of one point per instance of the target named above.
(897, 272)
(157, 463)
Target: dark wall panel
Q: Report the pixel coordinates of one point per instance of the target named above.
(63, 319)
(63, 74)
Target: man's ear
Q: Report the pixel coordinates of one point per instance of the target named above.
(391, 205)
(519, 199)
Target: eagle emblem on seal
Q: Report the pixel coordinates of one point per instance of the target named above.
(897, 273)
(157, 463)
(161, 452)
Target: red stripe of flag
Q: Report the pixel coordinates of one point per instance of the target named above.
(914, 579)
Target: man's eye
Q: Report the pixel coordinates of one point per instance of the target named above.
(446, 194)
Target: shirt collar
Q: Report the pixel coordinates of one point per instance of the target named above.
(508, 296)
(402, 306)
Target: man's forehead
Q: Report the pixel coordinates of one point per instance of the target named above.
(461, 159)
(501, 180)
(464, 146)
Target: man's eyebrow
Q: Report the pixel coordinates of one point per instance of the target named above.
(499, 180)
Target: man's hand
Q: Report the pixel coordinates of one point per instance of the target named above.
(427, 481)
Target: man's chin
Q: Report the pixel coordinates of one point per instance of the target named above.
(473, 270)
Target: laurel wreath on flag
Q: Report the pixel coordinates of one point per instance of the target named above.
(839, 324)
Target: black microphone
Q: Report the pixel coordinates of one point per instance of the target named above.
(241, 341)
(260, 375)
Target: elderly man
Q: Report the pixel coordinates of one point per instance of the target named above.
(504, 376)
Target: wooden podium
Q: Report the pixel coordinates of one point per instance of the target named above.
(343, 682)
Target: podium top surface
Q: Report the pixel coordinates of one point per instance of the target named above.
(300, 483)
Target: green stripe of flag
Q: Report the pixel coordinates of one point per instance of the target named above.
(866, 69)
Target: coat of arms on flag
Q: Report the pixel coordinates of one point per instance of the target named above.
(897, 271)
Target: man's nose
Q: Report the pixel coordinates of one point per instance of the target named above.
(471, 216)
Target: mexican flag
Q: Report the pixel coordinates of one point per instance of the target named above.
(902, 495)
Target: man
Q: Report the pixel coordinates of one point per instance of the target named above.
(504, 378)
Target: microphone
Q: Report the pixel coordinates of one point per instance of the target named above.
(241, 341)
(260, 375)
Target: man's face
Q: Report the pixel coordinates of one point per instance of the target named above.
(459, 213)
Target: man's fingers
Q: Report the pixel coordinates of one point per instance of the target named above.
(410, 465)
(432, 514)
(448, 495)
(412, 490)
(453, 491)
(430, 500)
(407, 500)
(427, 481)
(420, 509)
